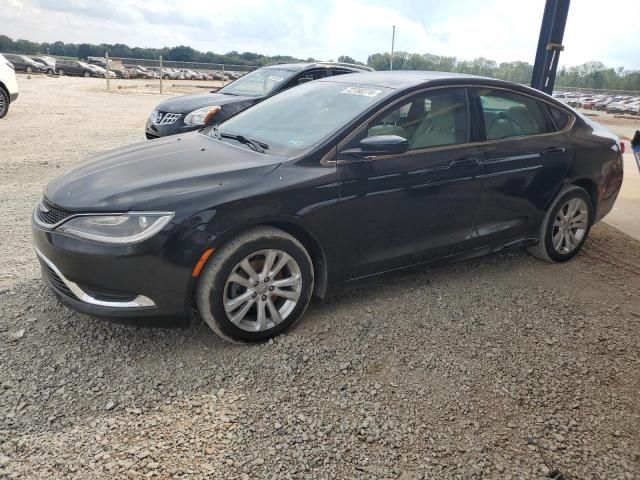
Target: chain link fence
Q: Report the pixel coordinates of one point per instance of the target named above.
(168, 70)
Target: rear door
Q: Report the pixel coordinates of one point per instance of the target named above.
(526, 159)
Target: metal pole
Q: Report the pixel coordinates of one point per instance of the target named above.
(106, 61)
(223, 82)
(393, 41)
(161, 73)
(549, 45)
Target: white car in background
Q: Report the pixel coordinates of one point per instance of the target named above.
(8, 85)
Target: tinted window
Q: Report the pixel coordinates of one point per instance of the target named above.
(308, 77)
(300, 118)
(431, 119)
(258, 83)
(338, 71)
(508, 114)
(560, 118)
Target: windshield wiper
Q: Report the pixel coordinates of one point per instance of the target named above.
(254, 144)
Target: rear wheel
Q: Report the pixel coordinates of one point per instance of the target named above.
(86, 74)
(29, 69)
(256, 286)
(565, 226)
(4, 102)
(61, 72)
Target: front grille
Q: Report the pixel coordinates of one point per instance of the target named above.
(49, 214)
(55, 281)
(164, 118)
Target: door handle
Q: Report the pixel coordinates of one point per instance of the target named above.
(554, 151)
(465, 162)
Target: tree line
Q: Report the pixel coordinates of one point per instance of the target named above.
(593, 75)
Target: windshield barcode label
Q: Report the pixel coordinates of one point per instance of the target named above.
(365, 92)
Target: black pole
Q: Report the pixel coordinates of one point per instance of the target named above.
(550, 45)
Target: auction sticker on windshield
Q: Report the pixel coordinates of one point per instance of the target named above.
(365, 92)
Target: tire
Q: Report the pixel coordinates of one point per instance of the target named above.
(215, 286)
(61, 72)
(166, 77)
(86, 74)
(4, 102)
(569, 245)
(29, 70)
(49, 72)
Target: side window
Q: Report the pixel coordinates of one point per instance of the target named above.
(509, 114)
(308, 77)
(560, 118)
(431, 119)
(339, 71)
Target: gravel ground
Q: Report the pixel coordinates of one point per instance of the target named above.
(502, 367)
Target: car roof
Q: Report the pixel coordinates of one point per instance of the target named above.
(299, 66)
(401, 79)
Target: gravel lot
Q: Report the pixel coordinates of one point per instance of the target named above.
(502, 367)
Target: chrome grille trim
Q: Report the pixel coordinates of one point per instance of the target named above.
(164, 118)
(74, 288)
(49, 215)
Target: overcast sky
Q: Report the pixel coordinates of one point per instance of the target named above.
(501, 30)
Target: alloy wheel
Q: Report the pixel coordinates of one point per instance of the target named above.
(262, 290)
(570, 226)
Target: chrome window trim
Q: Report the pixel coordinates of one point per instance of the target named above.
(359, 128)
(138, 302)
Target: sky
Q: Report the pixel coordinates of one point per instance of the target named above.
(501, 30)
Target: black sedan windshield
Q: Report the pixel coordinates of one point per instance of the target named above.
(258, 83)
(299, 119)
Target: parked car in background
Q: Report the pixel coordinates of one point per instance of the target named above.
(191, 74)
(22, 63)
(101, 72)
(118, 70)
(8, 85)
(48, 62)
(192, 112)
(171, 74)
(317, 188)
(602, 104)
(633, 108)
(74, 68)
(562, 97)
(619, 106)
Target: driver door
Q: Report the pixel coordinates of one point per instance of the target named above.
(403, 209)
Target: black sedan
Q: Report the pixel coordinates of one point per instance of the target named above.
(22, 63)
(192, 112)
(319, 187)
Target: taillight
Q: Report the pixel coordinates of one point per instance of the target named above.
(622, 147)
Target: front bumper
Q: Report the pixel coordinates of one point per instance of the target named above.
(150, 278)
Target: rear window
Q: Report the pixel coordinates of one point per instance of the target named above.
(560, 118)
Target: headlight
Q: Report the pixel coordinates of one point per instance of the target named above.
(201, 116)
(118, 228)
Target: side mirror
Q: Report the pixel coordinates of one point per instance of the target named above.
(379, 145)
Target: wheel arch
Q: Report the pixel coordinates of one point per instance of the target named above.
(313, 247)
(592, 189)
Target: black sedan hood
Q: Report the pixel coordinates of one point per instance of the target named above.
(158, 174)
(188, 103)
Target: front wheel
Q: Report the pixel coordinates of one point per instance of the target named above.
(256, 286)
(29, 69)
(61, 72)
(86, 74)
(565, 226)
